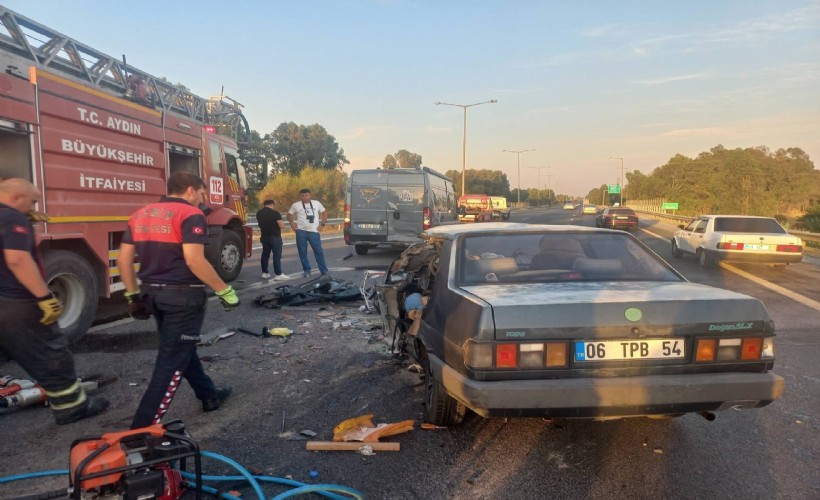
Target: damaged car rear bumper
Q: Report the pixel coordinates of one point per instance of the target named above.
(610, 397)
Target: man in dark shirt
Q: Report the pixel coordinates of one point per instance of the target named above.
(29, 312)
(271, 225)
(170, 238)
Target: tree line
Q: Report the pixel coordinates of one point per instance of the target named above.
(749, 181)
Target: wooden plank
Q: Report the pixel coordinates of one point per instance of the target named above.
(349, 446)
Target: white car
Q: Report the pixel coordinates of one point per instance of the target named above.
(569, 206)
(737, 238)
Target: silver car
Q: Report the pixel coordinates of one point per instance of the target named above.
(571, 322)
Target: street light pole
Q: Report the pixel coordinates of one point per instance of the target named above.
(464, 140)
(538, 186)
(518, 154)
(549, 189)
(621, 194)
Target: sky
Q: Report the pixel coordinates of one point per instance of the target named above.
(576, 82)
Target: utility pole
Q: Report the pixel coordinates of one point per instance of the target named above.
(464, 140)
(518, 154)
(621, 194)
(538, 186)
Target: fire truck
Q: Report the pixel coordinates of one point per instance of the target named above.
(99, 139)
(475, 208)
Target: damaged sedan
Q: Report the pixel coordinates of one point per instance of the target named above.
(513, 320)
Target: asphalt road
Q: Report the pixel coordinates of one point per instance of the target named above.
(321, 376)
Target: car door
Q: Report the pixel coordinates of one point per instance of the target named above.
(368, 206)
(682, 236)
(696, 236)
(405, 209)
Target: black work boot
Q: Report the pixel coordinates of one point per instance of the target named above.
(93, 405)
(215, 403)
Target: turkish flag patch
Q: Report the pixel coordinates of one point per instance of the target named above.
(198, 230)
(20, 229)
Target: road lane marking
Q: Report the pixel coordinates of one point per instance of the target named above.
(802, 299)
(653, 234)
(813, 304)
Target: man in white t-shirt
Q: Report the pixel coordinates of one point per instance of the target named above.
(307, 218)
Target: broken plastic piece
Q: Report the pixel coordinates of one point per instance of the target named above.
(362, 429)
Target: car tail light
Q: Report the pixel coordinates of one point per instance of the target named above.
(210, 129)
(506, 356)
(528, 356)
(789, 248)
(427, 221)
(730, 246)
(751, 349)
(706, 350)
(556, 354)
(347, 213)
(735, 349)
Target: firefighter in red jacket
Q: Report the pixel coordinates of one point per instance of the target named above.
(170, 238)
(29, 312)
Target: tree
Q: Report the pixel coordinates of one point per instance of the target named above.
(293, 147)
(489, 182)
(402, 159)
(326, 185)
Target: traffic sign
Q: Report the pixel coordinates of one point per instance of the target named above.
(669, 206)
(614, 188)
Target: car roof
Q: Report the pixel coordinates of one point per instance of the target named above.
(452, 231)
(736, 216)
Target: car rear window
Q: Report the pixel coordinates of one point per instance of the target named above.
(748, 225)
(528, 257)
(621, 211)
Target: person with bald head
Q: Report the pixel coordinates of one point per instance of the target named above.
(29, 312)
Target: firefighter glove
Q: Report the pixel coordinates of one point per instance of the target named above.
(137, 308)
(52, 308)
(228, 298)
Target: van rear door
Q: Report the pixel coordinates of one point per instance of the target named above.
(405, 206)
(368, 206)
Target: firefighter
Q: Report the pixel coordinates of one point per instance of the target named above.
(170, 238)
(29, 312)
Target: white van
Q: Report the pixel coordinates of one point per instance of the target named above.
(393, 206)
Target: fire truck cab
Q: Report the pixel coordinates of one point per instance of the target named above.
(98, 146)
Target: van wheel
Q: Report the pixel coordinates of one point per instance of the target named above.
(439, 407)
(362, 249)
(230, 256)
(72, 281)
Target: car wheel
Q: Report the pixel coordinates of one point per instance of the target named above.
(362, 249)
(779, 267)
(703, 258)
(676, 252)
(439, 407)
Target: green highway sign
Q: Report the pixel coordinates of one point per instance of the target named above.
(669, 206)
(613, 188)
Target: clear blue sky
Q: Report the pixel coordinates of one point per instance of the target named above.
(576, 81)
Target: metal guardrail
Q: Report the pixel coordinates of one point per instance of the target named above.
(804, 235)
(330, 222)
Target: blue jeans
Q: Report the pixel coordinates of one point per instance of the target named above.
(303, 238)
(272, 244)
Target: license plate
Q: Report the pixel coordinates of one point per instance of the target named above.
(370, 226)
(619, 350)
(622, 218)
(757, 247)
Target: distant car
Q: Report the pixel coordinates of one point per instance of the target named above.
(571, 322)
(569, 206)
(618, 218)
(590, 209)
(737, 238)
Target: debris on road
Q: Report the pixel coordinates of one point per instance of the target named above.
(350, 446)
(362, 429)
(215, 336)
(321, 289)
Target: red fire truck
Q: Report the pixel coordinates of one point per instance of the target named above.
(99, 138)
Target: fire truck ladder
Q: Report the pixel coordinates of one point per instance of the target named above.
(53, 51)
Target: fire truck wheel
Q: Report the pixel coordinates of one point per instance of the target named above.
(231, 255)
(72, 280)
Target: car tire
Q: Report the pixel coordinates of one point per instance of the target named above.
(779, 267)
(439, 407)
(703, 258)
(362, 249)
(71, 279)
(228, 263)
(676, 252)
